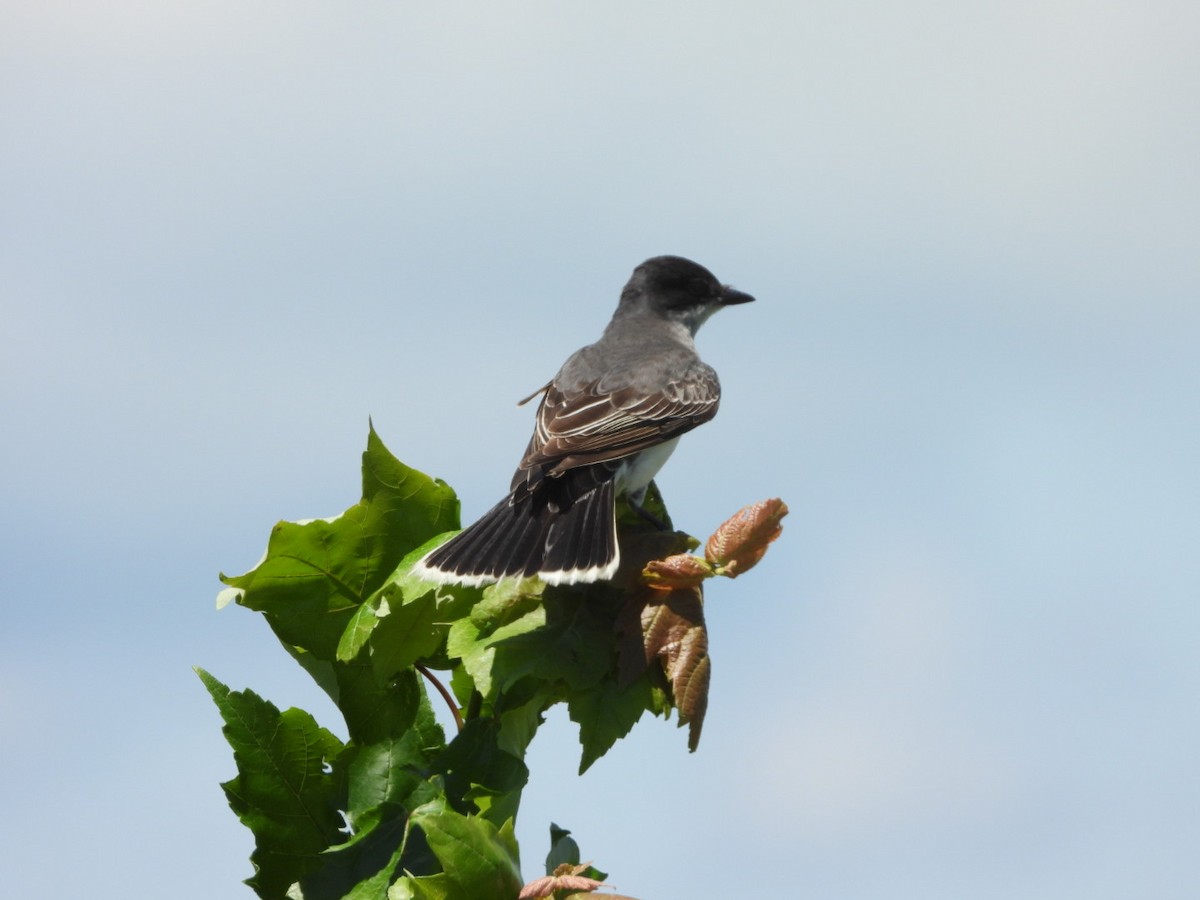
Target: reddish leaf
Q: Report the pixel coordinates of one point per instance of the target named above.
(566, 878)
(673, 632)
(679, 571)
(741, 541)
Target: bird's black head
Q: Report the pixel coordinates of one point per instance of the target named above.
(679, 289)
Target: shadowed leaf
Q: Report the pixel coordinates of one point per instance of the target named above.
(605, 714)
(668, 626)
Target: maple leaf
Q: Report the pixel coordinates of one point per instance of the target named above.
(668, 626)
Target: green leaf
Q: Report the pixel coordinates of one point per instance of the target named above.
(361, 625)
(479, 858)
(461, 685)
(285, 792)
(381, 846)
(406, 619)
(363, 867)
(414, 506)
(519, 723)
(310, 582)
(322, 671)
(476, 769)
(466, 641)
(605, 714)
(315, 575)
(573, 646)
(561, 642)
(392, 767)
(427, 887)
(408, 631)
(378, 712)
(505, 601)
(387, 775)
(376, 886)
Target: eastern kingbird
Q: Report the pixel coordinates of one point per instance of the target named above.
(607, 422)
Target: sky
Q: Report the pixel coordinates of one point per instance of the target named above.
(230, 233)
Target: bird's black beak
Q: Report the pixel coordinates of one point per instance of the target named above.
(729, 297)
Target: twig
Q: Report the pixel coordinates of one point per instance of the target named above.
(446, 695)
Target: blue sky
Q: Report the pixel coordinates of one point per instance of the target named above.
(232, 232)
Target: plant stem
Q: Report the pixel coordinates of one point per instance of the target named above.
(441, 689)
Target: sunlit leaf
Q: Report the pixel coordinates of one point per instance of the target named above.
(679, 571)
(316, 574)
(284, 792)
(742, 540)
(479, 858)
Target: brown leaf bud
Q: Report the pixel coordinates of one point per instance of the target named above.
(742, 540)
(678, 571)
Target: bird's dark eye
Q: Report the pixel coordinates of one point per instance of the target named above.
(689, 289)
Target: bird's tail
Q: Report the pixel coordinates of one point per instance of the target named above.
(517, 539)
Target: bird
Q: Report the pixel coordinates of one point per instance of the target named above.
(605, 425)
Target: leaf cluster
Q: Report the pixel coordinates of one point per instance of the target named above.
(399, 809)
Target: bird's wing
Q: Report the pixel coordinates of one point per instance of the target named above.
(593, 425)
